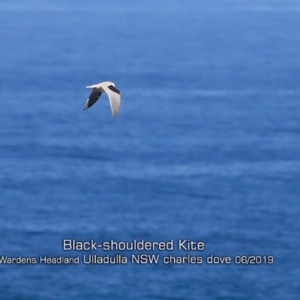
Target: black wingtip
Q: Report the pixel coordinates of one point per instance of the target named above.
(112, 88)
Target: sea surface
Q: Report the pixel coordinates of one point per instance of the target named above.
(206, 147)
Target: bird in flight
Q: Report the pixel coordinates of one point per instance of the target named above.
(114, 96)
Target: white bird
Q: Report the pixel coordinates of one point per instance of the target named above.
(114, 95)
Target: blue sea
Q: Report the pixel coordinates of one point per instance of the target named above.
(206, 148)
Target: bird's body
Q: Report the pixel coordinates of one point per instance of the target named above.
(114, 95)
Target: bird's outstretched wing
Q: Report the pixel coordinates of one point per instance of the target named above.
(114, 97)
(92, 99)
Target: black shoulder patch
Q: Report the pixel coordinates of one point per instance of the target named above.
(112, 88)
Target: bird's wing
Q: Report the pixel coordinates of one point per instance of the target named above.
(92, 99)
(114, 96)
(93, 86)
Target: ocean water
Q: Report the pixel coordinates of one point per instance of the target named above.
(205, 147)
